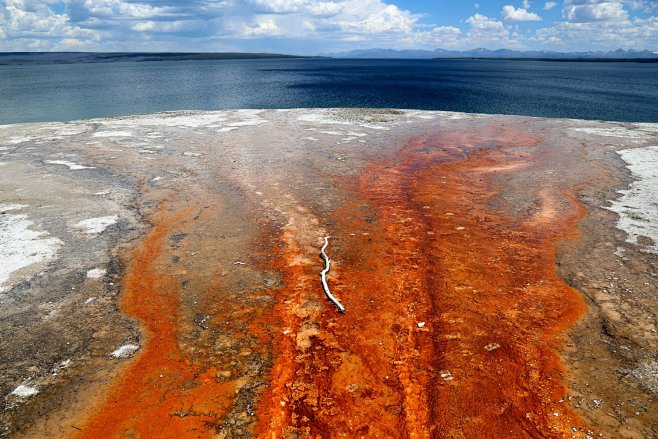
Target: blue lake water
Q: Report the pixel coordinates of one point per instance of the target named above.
(608, 91)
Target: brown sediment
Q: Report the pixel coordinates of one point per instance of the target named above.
(163, 393)
(455, 312)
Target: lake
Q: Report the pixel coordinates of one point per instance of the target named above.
(583, 90)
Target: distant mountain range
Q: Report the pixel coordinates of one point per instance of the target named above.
(21, 58)
(18, 58)
(500, 54)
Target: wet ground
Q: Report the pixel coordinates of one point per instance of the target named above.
(161, 276)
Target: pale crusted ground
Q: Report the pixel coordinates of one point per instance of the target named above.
(72, 195)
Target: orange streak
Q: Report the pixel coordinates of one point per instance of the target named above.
(162, 394)
(454, 307)
(498, 305)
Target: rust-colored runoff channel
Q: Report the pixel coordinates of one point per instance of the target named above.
(162, 394)
(455, 312)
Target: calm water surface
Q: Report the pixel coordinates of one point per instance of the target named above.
(609, 91)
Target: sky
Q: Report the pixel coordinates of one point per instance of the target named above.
(312, 27)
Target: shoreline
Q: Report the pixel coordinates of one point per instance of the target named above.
(446, 113)
(293, 171)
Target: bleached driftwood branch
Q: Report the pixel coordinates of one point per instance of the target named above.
(327, 261)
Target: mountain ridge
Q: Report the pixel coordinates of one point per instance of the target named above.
(22, 58)
(498, 53)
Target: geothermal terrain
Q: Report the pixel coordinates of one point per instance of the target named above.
(160, 276)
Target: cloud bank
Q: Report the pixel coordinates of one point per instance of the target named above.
(318, 26)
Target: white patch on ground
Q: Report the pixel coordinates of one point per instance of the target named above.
(102, 193)
(651, 127)
(330, 133)
(24, 391)
(96, 225)
(225, 121)
(113, 134)
(179, 120)
(456, 116)
(647, 373)
(158, 178)
(620, 252)
(70, 130)
(3, 164)
(8, 207)
(638, 206)
(375, 127)
(313, 139)
(15, 140)
(146, 151)
(246, 123)
(321, 117)
(333, 118)
(72, 166)
(425, 116)
(96, 273)
(62, 364)
(620, 132)
(89, 300)
(134, 145)
(192, 154)
(20, 246)
(249, 112)
(188, 120)
(125, 351)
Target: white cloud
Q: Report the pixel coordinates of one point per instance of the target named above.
(441, 36)
(204, 24)
(262, 27)
(647, 6)
(144, 26)
(584, 11)
(32, 25)
(347, 20)
(604, 35)
(600, 25)
(306, 26)
(312, 7)
(486, 31)
(482, 22)
(118, 9)
(512, 14)
(387, 19)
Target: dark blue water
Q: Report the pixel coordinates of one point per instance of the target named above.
(609, 91)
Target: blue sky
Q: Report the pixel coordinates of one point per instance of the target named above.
(320, 26)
